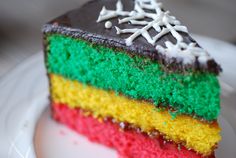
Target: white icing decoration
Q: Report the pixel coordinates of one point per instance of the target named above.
(162, 22)
(108, 25)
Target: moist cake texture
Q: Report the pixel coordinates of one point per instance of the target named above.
(130, 68)
(136, 77)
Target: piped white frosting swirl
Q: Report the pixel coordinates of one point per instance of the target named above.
(163, 23)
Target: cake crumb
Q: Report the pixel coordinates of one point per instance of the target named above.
(62, 132)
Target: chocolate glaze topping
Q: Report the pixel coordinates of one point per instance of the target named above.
(81, 23)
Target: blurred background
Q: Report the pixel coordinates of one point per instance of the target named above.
(21, 21)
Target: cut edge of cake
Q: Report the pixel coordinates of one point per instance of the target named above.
(115, 37)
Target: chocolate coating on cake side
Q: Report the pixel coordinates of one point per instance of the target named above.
(81, 23)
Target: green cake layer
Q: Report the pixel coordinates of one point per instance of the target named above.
(134, 76)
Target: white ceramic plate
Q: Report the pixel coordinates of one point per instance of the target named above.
(24, 97)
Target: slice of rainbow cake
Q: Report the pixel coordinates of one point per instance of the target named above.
(127, 74)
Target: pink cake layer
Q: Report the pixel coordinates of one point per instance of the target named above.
(128, 143)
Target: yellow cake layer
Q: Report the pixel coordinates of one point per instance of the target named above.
(196, 135)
